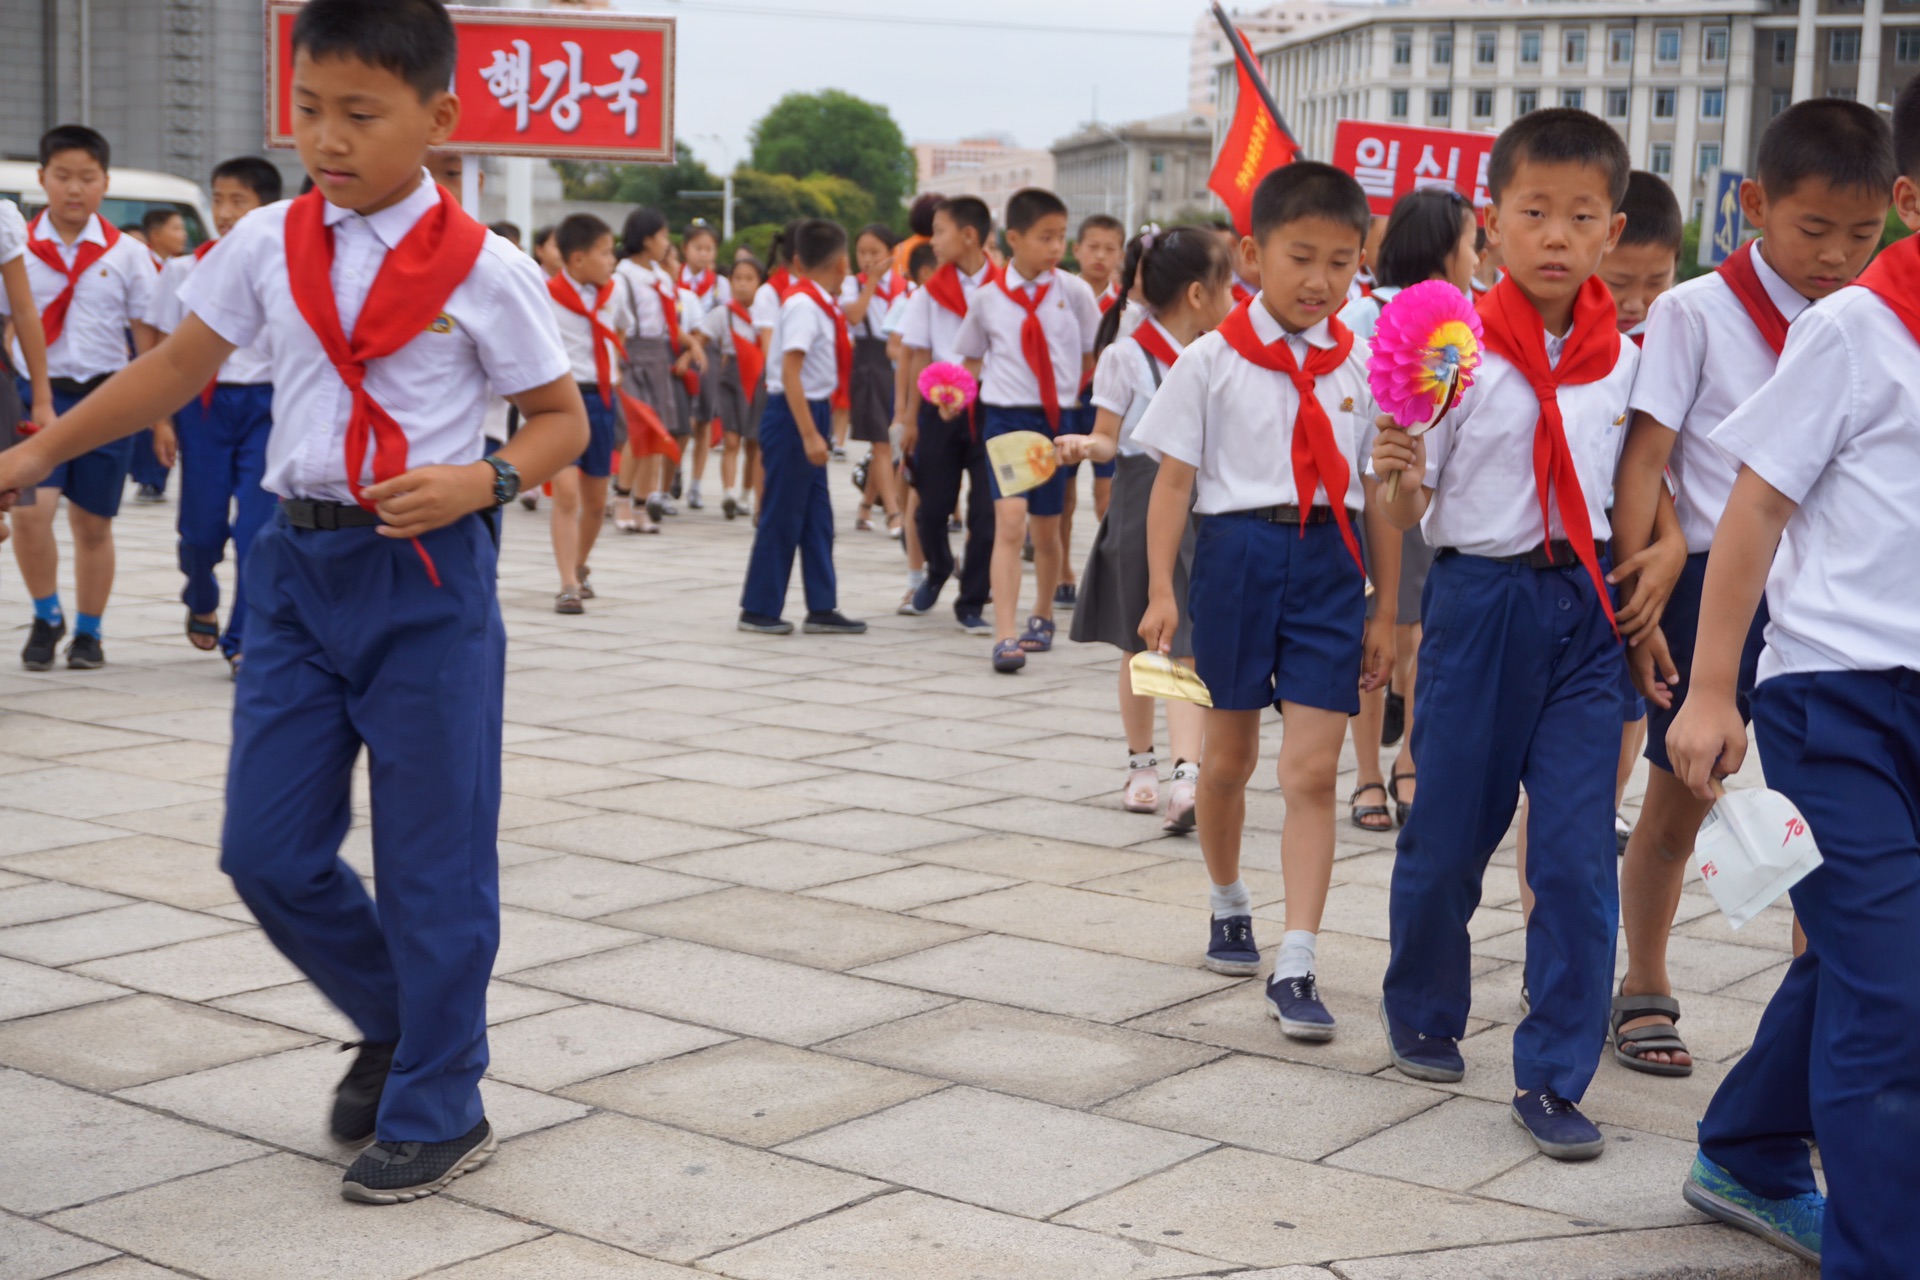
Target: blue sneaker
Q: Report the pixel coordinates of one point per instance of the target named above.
(1296, 1003)
(1231, 949)
(1424, 1057)
(972, 622)
(1793, 1225)
(925, 596)
(1557, 1127)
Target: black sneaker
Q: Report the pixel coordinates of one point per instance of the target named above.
(84, 653)
(764, 624)
(357, 1101)
(396, 1172)
(38, 654)
(832, 622)
(149, 494)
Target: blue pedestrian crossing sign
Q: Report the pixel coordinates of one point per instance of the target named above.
(1720, 220)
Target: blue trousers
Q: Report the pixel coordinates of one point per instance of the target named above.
(796, 514)
(1519, 685)
(1837, 1054)
(223, 456)
(348, 644)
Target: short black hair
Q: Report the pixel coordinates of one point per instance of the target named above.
(414, 39)
(969, 211)
(923, 258)
(1027, 206)
(506, 231)
(153, 218)
(74, 137)
(1846, 143)
(818, 242)
(1422, 233)
(1102, 222)
(255, 174)
(1560, 135)
(920, 213)
(759, 268)
(879, 231)
(781, 251)
(543, 234)
(1906, 128)
(578, 233)
(643, 224)
(1308, 189)
(1653, 214)
(699, 227)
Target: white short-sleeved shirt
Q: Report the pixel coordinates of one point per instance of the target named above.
(251, 365)
(1702, 360)
(499, 333)
(13, 232)
(1362, 315)
(1480, 456)
(1069, 317)
(643, 293)
(1233, 420)
(695, 306)
(112, 294)
(879, 311)
(1126, 380)
(1837, 430)
(576, 331)
(721, 326)
(928, 326)
(805, 327)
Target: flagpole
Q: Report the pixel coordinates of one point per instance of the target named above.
(1245, 57)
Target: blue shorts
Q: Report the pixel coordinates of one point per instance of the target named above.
(1049, 499)
(603, 435)
(93, 481)
(1680, 624)
(1277, 617)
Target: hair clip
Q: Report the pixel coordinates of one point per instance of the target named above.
(1149, 234)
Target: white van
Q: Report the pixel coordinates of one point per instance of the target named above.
(130, 194)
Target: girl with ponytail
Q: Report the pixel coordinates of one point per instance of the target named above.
(1183, 278)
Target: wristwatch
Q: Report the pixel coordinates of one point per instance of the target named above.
(506, 479)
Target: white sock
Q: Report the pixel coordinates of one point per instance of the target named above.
(916, 578)
(1186, 770)
(694, 489)
(1229, 900)
(1296, 954)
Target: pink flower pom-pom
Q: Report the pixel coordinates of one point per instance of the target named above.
(1420, 331)
(948, 386)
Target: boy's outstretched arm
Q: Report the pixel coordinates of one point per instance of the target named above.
(1168, 511)
(149, 389)
(1708, 738)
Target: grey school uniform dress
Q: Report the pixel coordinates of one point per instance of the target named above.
(649, 376)
(1113, 587)
(738, 407)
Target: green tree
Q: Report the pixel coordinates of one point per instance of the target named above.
(779, 198)
(657, 185)
(835, 133)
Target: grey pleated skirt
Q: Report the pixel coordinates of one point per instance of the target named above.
(650, 379)
(1113, 587)
(738, 409)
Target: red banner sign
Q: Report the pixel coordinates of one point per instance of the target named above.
(1390, 160)
(588, 86)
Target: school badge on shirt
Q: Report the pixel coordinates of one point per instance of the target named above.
(442, 323)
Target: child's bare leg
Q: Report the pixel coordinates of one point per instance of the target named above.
(729, 460)
(1406, 671)
(593, 514)
(1309, 765)
(1233, 752)
(1370, 786)
(1633, 739)
(702, 445)
(1652, 875)
(1136, 714)
(1186, 727)
(93, 560)
(910, 509)
(880, 480)
(35, 548)
(1520, 860)
(1009, 534)
(564, 524)
(1064, 543)
(1047, 562)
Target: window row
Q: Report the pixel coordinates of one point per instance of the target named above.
(1843, 46)
(1615, 103)
(1660, 158)
(1714, 43)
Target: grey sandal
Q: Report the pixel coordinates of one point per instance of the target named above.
(1629, 1046)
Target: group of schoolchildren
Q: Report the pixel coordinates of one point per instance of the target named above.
(1586, 508)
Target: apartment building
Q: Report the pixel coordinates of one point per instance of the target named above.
(1152, 170)
(1689, 83)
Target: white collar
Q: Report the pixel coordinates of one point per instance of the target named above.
(1789, 299)
(1270, 331)
(1017, 281)
(1177, 345)
(93, 233)
(393, 223)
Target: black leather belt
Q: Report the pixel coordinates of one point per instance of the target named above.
(303, 513)
(1557, 554)
(1286, 513)
(74, 387)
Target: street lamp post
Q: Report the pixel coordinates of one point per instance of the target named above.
(725, 194)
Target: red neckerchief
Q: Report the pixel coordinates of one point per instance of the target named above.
(1033, 344)
(701, 285)
(948, 291)
(1740, 275)
(1894, 278)
(1317, 460)
(643, 425)
(1515, 331)
(53, 317)
(782, 282)
(752, 360)
(213, 383)
(1639, 337)
(1240, 292)
(842, 338)
(1155, 343)
(891, 286)
(1108, 296)
(415, 280)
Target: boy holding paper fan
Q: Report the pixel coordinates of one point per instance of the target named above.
(1823, 513)
(1520, 661)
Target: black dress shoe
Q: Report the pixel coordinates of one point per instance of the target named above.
(356, 1102)
(396, 1172)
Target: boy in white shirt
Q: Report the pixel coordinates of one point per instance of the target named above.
(1520, 662)
(1823, 514)
(814, 351)
(1819, 198)
(223, 431)
(375, 617)
(91, 285)
(592, 308)
(1032, 332)
(1261, 429)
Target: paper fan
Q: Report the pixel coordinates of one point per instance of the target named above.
(1426, 347)
(948, 386)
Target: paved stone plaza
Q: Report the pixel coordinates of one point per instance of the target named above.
(822, 957)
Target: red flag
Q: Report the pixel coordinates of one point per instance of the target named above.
(1254, 146)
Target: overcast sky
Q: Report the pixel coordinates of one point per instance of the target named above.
(738, 57)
